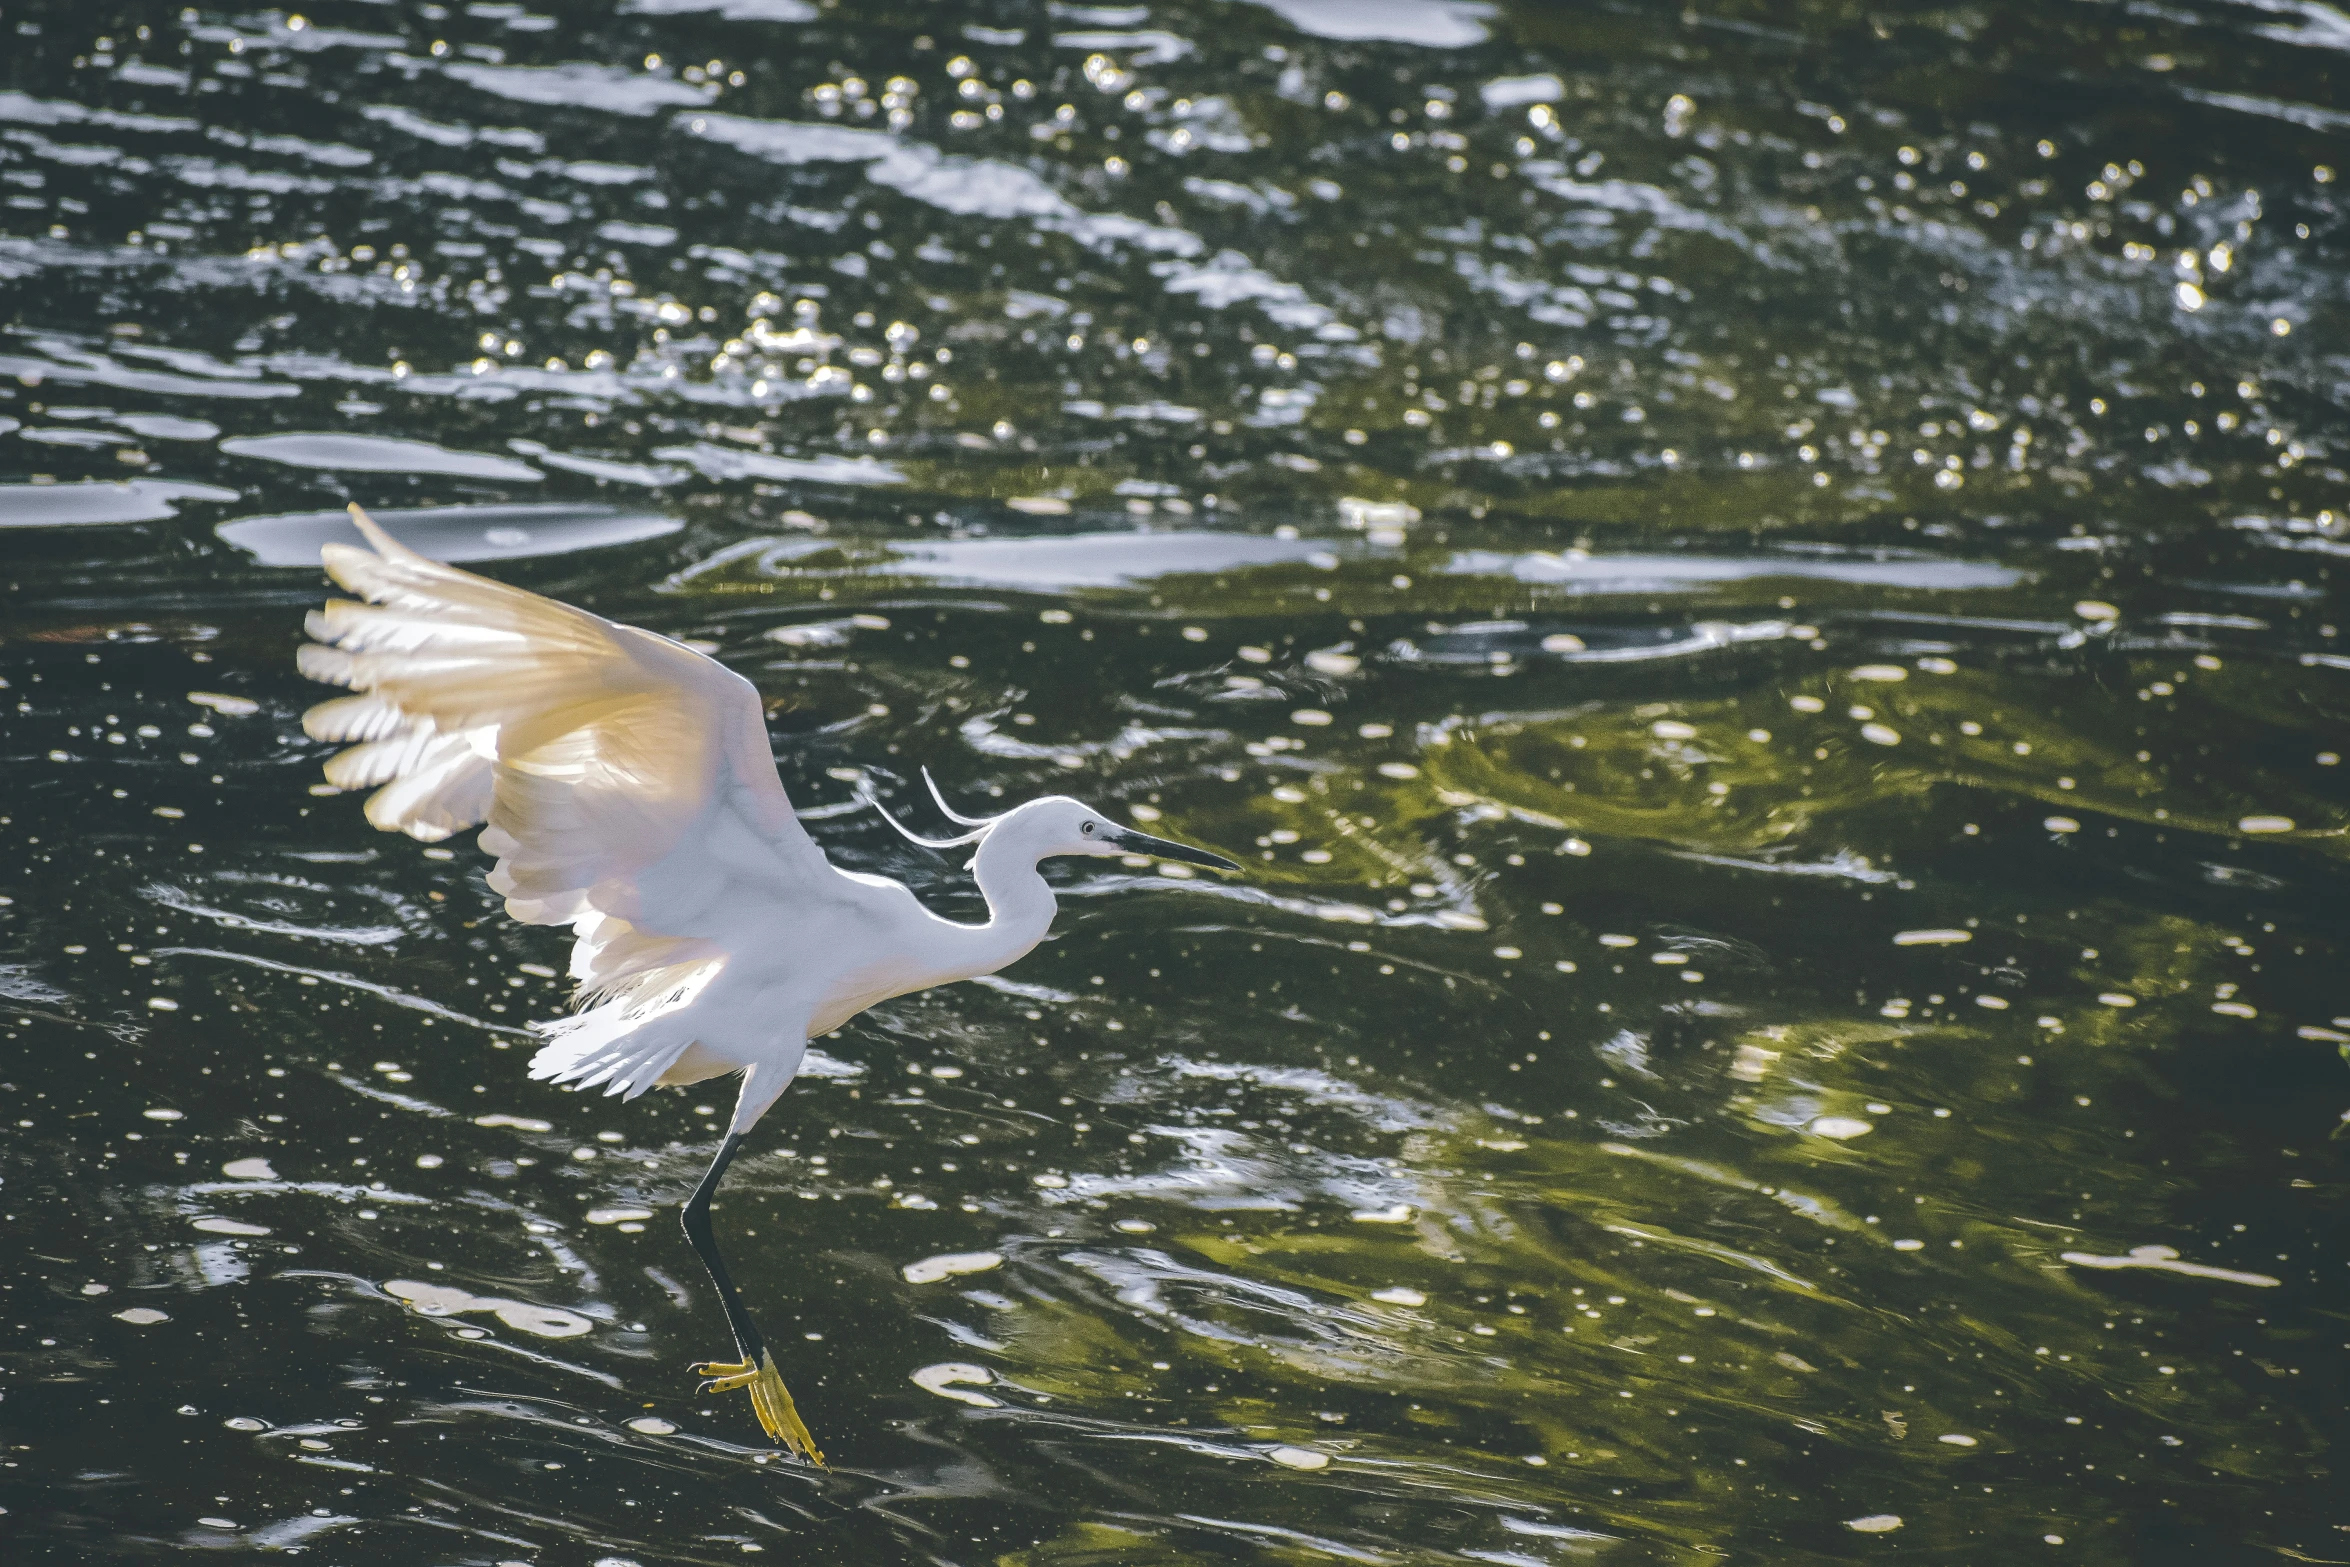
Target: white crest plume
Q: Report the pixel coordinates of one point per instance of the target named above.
(980, 825)
(950, 812)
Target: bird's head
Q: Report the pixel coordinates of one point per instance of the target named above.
(1058, 825)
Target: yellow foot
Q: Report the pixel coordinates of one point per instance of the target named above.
(769, 1397)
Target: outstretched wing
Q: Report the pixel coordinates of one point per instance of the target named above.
(625, 780)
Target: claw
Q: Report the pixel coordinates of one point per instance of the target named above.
(770, 1399)
(723, 1368)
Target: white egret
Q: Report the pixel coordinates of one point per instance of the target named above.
(624, 785)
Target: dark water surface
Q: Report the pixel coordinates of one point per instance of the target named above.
(1756, 584)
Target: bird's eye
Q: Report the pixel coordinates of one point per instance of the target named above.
(1087, 829)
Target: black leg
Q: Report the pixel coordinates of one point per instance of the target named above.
(696, 1217)
(756, 1371)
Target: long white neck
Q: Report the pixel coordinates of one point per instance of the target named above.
(1020, 905)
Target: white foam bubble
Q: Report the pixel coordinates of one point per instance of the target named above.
(1842, 1127)
(945, 1377)
(946, 1266)
(444, 1300)
(2164, 1259)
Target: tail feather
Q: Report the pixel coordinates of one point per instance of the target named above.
(624, 1045)
(599, 1049)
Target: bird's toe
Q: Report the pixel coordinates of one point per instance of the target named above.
(728, 1384)
(779, 1416)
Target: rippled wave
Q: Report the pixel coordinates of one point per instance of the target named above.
(1755, 590)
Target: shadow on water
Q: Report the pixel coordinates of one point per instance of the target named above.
(1755, 585)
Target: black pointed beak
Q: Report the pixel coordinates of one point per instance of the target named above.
(1166, 849)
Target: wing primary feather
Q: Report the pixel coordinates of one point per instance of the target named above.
(624, 783)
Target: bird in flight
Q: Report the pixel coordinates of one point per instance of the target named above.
(624, 784)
